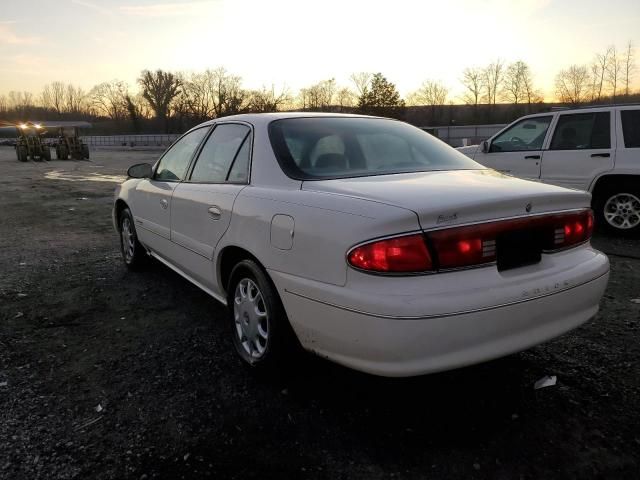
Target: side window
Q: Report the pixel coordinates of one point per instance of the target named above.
(173, 165)
(526, 135)
(631, 128)
(582, 131)
(218, 153)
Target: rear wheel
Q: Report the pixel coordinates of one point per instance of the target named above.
(133, 253)
(260, 329)
(85, 151)
(618, 208)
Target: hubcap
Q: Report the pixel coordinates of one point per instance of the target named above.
(622, 211)
(251, 318)
(128, 239)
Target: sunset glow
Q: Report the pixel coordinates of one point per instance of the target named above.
(296, 43)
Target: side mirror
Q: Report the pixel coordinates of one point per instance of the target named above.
(140, 170)
(484, 146)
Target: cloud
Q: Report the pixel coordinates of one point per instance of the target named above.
(9, 37)
(168, 9)
(93, 6)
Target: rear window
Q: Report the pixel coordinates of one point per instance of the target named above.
(631, 128)
(331, 147)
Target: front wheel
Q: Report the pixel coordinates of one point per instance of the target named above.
(133, 253)
(260, 329)
(618, 209)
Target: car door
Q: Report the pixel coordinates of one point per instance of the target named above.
(152, 198)
(581, 148)
(202, 205)
(517, 150)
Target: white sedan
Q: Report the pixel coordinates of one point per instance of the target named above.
(364, 240)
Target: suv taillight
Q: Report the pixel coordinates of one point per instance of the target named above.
(474, 245)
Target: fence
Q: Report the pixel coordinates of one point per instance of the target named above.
(155, 140)
(458, 136)
(455, 136)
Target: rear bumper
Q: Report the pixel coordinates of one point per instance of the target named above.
(405, 344)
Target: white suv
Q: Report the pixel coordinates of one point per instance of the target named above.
(595, 149)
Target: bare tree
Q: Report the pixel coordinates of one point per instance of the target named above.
(159, 88)
(599, 69)
(432, 93)
(572, 84)
(53, 96)
(472, 79)
(614, 69)
(318, 96)
(345, 98)
(4, 105)
(362, 82)
(514, 90)
(493, 77)
(75, 100)
(109, 99)
(228, 95)
(267, 100)
(628, 67)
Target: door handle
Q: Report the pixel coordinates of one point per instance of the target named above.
(164, 203)
(215, 212)
(603, 155)
(532, 157)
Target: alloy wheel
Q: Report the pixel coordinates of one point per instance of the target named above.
(622, 211)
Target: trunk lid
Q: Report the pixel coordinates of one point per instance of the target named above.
(448, 198)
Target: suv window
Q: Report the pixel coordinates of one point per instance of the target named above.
(580, 131)
(631, 128)
(526, 135)
(173, 165)
(219, 152)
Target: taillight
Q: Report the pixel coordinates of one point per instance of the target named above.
(573, 230)
(474, 245)
(407, 254)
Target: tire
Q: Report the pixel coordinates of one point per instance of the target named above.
(22, 154)
(269, 341)
(63, 154)
(617, 208)
(46, 154)
(133, 253)
(85, 151)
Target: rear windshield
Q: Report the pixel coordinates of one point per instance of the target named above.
(331, 147)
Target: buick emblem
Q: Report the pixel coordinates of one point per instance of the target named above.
(528, 207)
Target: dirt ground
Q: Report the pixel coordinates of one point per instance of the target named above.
(110, 374)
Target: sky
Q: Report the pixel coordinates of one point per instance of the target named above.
(296, 43)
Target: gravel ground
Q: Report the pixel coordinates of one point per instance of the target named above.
(110, 374)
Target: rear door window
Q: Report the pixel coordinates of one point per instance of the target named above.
(631, 128)
(219, 153)
(582, 131)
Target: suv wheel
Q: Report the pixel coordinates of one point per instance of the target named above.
(619, 209)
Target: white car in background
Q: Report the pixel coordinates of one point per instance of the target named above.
(364, 240)
(596, 149)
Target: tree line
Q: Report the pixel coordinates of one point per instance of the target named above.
(173, 101)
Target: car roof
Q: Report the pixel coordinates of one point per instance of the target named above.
(261, 118)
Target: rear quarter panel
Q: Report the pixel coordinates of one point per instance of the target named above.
(326, 226)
